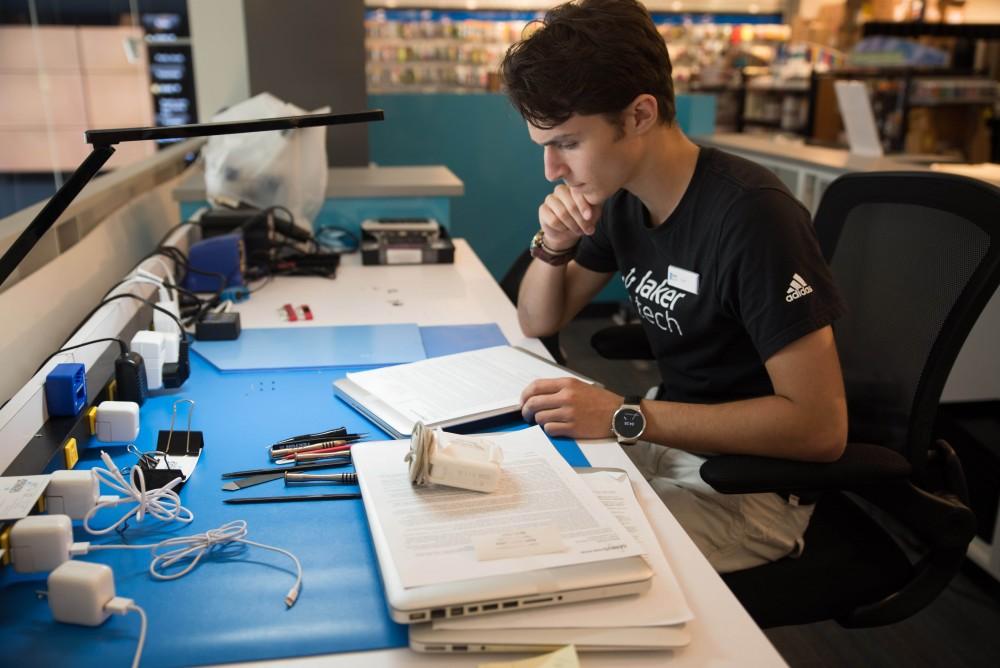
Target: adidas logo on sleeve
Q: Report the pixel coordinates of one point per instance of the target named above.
(797, 288)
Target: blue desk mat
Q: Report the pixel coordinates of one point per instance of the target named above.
(450, 339)
(230, 608)
(311, 347)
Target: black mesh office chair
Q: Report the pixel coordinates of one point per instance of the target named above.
(917, 257)
(510, 284)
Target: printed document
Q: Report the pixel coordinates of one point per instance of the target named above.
(662, 605)
(442, 389)
(19, 494)
(542, 515)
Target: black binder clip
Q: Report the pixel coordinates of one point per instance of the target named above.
(172, 443)
(184, 443)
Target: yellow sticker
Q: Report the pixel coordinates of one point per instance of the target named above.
(5, 544)
(70, 453)
(92, 418)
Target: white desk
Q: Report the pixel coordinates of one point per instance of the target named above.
(723, 634)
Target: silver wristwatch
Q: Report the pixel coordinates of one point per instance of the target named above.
(628, 423)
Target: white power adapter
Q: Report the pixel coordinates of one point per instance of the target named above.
(79, 592)
(117, 421)
(72, 493)
(153, 348)
(83, 593)
(40, 542)
(166, 325)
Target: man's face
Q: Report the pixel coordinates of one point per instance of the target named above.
(588, 153)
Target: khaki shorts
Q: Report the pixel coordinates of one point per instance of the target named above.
(733, 531)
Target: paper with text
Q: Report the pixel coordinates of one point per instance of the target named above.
(19, 494)
(456, 386)
(663, 604)
(432, 531)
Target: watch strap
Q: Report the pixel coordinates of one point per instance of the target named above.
(540, 251)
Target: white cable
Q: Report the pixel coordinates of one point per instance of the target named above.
(167, 271)
(119, 605)
(194, 547)
(141, 278)
(162, 503)
(143, 625)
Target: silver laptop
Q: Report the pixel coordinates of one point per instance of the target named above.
(424, 638)
(381, 413)
(535, 589)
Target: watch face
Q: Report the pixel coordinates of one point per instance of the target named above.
(629, 423)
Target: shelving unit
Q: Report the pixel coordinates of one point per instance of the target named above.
(758, 103)
(437, 51)
(897, 93)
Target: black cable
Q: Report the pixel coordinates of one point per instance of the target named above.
(173, 229)
(223, 281)
(264, 280)
(129, 295)
(121, 344)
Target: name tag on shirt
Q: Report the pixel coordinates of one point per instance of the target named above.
(682, 279)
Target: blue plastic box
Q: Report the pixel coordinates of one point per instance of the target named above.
(66, 390)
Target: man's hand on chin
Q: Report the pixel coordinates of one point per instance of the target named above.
(569, 407)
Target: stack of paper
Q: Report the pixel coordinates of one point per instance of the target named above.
(653, 619)
(545, 540)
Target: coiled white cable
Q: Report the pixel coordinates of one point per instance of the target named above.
(195, 547)
(162, 503)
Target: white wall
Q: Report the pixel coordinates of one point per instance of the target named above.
(219, 51)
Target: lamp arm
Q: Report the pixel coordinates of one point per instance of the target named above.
(54, 208)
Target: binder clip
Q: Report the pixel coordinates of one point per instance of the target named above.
(177, 451)
(453, 460)
(178, 444)
(153, 475)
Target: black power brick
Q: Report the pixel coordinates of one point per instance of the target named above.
(218, 327)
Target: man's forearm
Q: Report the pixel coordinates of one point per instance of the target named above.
(771, 426)
(541, 299)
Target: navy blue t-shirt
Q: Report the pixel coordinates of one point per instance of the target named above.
(734, 275)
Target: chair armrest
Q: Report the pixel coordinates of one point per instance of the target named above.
(861, 464)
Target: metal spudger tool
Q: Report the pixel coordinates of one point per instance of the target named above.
(342, 478)
(287, 499)
(258, 476)
(343, 460)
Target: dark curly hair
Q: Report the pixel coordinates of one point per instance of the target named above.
(588, 57)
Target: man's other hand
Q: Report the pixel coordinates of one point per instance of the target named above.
(569, 407)
(565, 216)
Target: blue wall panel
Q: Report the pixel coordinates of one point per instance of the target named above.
(485, 143)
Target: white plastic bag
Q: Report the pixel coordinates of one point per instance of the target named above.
(280, 168)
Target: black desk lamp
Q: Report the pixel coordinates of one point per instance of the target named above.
(103, 142)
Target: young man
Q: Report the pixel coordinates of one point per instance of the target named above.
(718, 258)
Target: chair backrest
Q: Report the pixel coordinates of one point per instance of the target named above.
(511, 283)
(917, 257)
